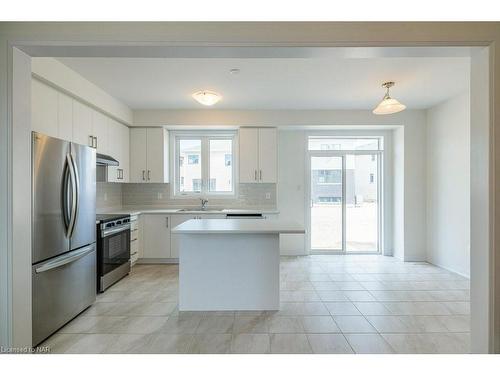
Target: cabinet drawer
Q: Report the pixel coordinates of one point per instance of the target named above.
(134, 225)
(134, 246)
(134, 234)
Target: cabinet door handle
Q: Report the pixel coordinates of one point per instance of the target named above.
(91, 141)
(166, 221)
(121, 174)
(95, 142)
(261, 174)
(117, 174)
(255, 176)
(143, 172)
(149, 175)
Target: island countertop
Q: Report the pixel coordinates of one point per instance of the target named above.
(238, 226)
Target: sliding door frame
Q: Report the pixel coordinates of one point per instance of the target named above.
(380, 211)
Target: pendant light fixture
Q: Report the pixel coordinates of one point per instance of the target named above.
(388, 105)
(206, 97)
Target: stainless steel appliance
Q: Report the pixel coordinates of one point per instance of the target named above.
(113, 249)
(63, 232)
(103, 162)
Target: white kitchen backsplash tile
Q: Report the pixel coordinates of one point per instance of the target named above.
(108, 195)
(158, 195)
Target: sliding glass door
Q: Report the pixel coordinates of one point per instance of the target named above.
(362, 209)
(326, 203)
(344, 197)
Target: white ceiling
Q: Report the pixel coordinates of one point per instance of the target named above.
(276, 83)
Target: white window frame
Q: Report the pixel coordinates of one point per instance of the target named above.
(205, 137)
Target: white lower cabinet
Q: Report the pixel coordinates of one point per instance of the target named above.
(156, 240)
(135, 238)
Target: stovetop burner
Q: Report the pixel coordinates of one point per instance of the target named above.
(105, 218)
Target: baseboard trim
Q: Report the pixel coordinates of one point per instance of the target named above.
(157, 261)
(449, 269)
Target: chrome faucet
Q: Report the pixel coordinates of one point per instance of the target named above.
(203, 204)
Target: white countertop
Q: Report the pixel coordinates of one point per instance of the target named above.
(238, 226)
(178, 211)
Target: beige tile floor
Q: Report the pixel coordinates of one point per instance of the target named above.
(329, 304)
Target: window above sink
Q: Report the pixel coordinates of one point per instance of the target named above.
(203, 164)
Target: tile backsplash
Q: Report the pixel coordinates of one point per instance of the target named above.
(158, 195)
(108, 195)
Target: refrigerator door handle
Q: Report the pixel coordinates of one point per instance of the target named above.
(77, 193)
(65, 259)
(74, 194)
(66, 198)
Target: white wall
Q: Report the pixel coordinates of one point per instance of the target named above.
(21, 204)
(411, 225)
(291, 190)
(45, 38)
(398, 193)
(448, 184)
(484, 265)
(415, 187)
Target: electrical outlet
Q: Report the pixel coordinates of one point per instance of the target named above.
(105, 196)
(160, 196)
(268, 195)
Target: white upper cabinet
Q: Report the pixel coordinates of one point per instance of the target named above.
(82, 124)
(268, 155)
(138, 155)
(125, 147)
(149, 155)
(157, 155)
(100, 131)
(114, 149)
(258, 155)
(249, 156)
(44, 109)
(65, 116)
(118, 148)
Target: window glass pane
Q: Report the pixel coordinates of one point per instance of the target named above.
(189, 165)
(351, 144)
(221, 165)
(361, 203)
(326, 203)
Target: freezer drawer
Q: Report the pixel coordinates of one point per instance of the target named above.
(62, 288)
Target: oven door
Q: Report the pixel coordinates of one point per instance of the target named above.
(114, 249)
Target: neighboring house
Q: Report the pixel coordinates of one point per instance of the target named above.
(361, 178)
(220, 167)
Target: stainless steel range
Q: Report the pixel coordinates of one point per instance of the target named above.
(113, 249)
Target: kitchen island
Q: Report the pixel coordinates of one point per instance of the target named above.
(230, 264)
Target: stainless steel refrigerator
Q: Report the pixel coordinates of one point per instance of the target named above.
(63, 232)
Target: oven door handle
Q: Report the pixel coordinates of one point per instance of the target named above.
(109, 232)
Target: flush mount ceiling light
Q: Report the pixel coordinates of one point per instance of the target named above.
(388, 105)
(206, 97)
